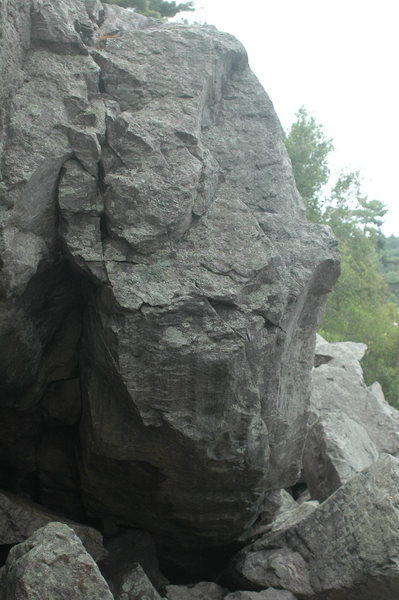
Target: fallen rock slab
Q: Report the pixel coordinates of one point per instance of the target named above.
(338, 385)
(346, 549)
(349, 423)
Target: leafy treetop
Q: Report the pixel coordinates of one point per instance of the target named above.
(362, 307)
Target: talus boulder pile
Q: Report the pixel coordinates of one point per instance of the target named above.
(346, 549)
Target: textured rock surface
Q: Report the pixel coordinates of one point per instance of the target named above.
(349, 424)
(204, 590)
(134, 585)
(53, 565)
(19, 519)
(279, 509)
(158, 275)
(269, 594)
(347, 549)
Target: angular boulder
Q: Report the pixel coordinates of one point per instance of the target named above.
(19, 519)
(134, 585)
(154, 246)
(349, 423)
(53, 565)
(346, 549)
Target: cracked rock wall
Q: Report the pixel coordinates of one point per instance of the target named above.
(160, 286)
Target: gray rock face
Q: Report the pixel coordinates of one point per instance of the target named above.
(19, 519)
(153, 248)
(53, 565)
(349, 424)
(347, 549)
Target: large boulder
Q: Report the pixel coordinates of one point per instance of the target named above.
(153, 246)
(53, 565)
(346, 549)
(350, 424)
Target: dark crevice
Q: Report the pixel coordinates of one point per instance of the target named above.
(39, 436)
(321, 359)
(298, 489)
(85, 31)
(101, 177)
(269, 325)
(104, 232)
(184, 566)
(66, 48)
(101, 85)
(222, 307)
(4, 550)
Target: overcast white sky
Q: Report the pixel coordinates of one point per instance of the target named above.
(340, 59)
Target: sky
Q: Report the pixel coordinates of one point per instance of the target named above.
(338, 58)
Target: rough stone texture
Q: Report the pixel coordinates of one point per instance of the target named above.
(269, 594)
(134, 585)
(19, 519)
(279, 507)
(204, 590)
(53, 565)
(349, 424)
(153, 248)
(347, 549)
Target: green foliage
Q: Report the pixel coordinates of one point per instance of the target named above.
(309, 149)
(159, 9)
(361, 308)
(390, 263)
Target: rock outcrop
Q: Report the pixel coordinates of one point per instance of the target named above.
(160, 287)
(350, 424)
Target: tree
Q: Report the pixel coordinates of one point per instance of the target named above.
(361, 307)
(309, 149)
(370, 214)
(154, 8)
(344, 207)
